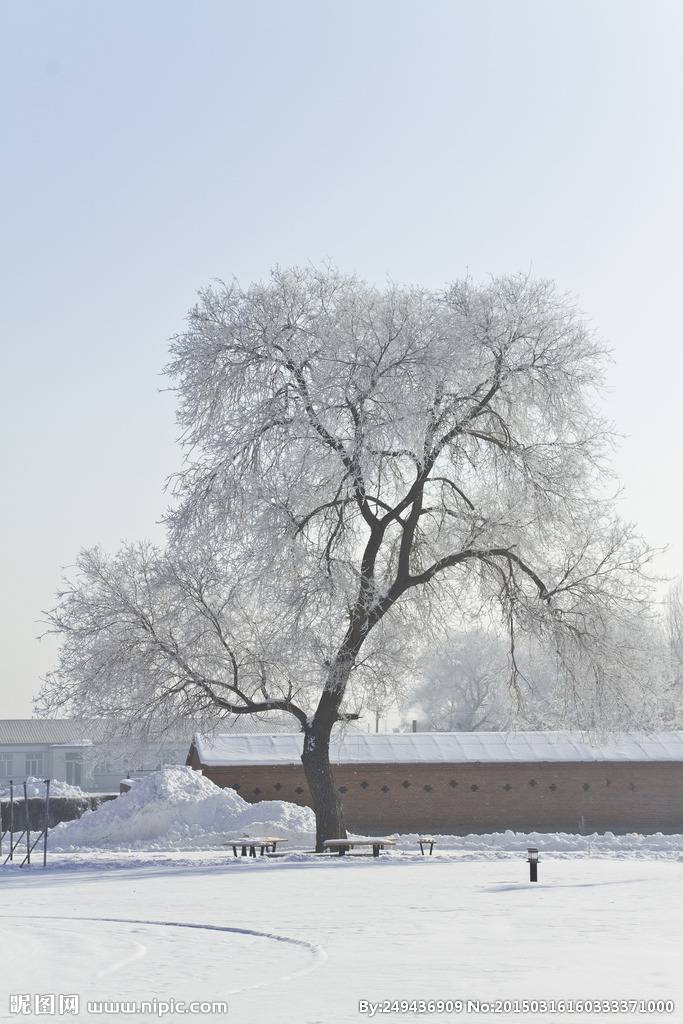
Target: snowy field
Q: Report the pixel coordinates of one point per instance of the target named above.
(301, 940)
(141, 901)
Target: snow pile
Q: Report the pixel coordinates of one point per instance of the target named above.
(36, 787)
(177, 808)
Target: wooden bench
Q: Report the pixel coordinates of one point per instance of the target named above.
(426, 841)
(249, 844)
(342, 846)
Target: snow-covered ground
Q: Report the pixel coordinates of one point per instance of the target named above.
(303, 941)
(142, 901)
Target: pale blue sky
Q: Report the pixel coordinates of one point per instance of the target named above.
(150, 146)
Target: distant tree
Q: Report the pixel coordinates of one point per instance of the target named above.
(464, 684)
(674, 630)
(359, 461)
(651, 695)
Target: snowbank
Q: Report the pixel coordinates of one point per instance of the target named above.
(177, 808)
(36, 787)
(505, 843)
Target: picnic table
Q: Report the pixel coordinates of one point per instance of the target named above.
(426, 841)
(342, 846)
(249, 844)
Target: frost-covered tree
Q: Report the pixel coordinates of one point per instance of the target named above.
(360, 461)
(674, 630)
(464, 684)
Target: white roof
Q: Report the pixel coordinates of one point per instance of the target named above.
(444, 748)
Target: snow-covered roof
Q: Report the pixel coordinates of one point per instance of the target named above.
(74, 732)
(444, 748)
(71, 732)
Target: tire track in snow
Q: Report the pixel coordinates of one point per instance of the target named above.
(318, 953)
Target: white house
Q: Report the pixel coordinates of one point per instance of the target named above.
(77, 752)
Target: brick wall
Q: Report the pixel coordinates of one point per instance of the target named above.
(457, 799)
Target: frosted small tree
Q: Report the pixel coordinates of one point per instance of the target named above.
(359, 460)
(380, 696)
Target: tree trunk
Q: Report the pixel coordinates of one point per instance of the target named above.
(329, 816)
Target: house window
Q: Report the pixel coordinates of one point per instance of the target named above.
(34, 764)
(74, 769)
(6, 766)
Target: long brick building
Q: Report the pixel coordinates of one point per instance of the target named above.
(469, 782)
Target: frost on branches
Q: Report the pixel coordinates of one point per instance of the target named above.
(360, 464)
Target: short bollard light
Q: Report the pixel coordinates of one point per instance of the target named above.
(533, 863)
